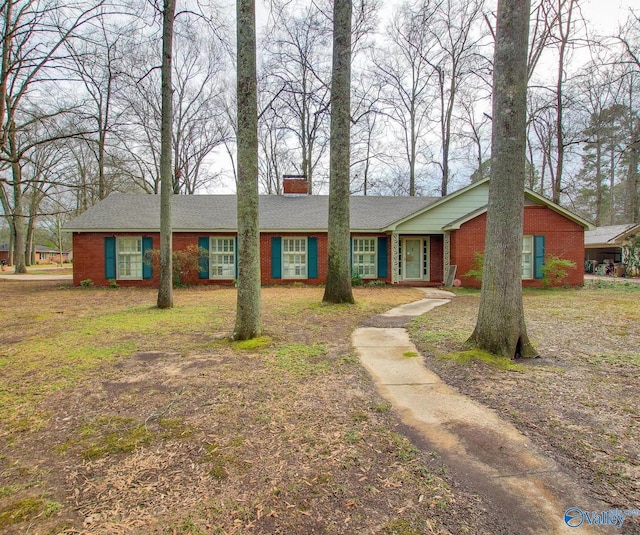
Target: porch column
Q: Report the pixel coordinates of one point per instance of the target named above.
(446, 254)
(395, 252)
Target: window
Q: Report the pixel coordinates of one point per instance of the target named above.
(527, 265)
(222, 258)
(364, 257)
(129, 258)
(294, 258)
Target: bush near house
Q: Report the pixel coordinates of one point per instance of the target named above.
(631, 255)
(555, 270)
(185, 264)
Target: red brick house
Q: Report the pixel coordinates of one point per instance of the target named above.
(398, 240)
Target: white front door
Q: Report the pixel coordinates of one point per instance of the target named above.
(412, 259)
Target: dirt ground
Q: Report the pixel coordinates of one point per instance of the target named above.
(122, 420)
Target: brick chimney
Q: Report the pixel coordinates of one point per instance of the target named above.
(295, 185)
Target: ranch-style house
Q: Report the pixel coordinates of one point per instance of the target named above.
(420, 241)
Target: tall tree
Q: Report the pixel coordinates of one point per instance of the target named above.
(632, 203)
(199, 125)
(32, 46)
(248, 318)
(298, 75)
(455, 30)
(96, 65)
(338, 286)
(501, 328)
(165, 288)
(405, 72)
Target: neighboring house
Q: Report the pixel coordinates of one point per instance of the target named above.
(398, 240)
(49, 255)
(42, 255)
(605, 245)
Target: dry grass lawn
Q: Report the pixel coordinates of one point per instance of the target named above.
(119, 418)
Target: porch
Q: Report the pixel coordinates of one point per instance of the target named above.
(417, 259)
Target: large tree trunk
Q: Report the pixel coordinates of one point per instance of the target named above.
(338, 287)
(501, 327)
(19, 217)
(248, 319)
(165, 289)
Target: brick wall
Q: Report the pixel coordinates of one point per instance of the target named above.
(563, 238)
(89, 258)
(295, 186)
(436, 258)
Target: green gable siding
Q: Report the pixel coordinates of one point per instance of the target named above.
(432, 220)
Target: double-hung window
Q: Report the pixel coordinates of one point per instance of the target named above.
(533, 255)
(294, 258)
(222, 258)
(129, 257)
(527, 257)
(364, 257)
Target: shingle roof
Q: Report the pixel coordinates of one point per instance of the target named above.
(602, 236)
(141, 212)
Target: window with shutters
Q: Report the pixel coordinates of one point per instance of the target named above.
(527, 257)
(129, 257)
(364, 256)
(294, 258)
(222, 257)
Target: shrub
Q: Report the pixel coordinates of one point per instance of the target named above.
(376, 282)
(113, 283)
(555, 270)
(185, 263)
(86, 283)
(477, 267)
(631, 255)
(356, 278)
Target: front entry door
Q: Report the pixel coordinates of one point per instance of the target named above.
(412, 259)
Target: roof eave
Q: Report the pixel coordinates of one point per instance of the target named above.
(625, 234)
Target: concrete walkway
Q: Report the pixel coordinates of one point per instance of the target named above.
(487, 454)
(27, 277)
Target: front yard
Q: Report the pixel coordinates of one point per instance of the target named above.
(120, 418)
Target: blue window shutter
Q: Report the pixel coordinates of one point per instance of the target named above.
(147, 268)
(313, 258)
(110, 258)
(382, 257)
(351, 255)
(235, 252)
(203, 245)
(276, 257)
(538, 256)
